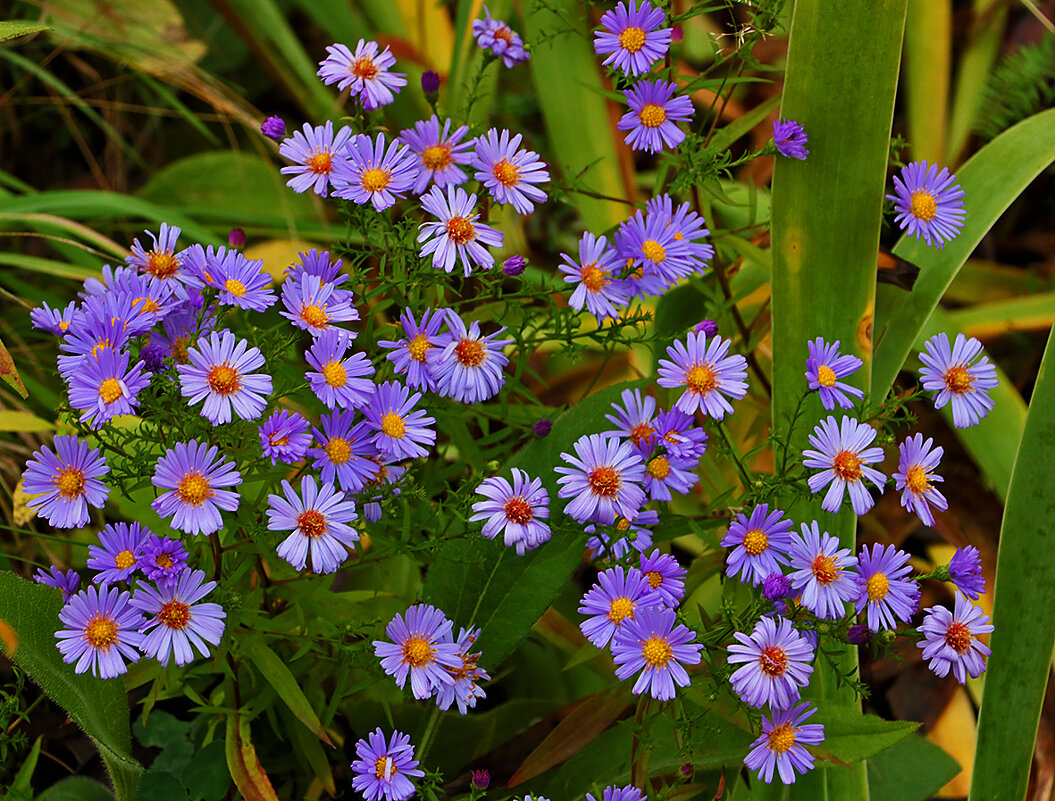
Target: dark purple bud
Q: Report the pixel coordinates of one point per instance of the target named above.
(676, 34)
(859, 635)
(542, 428)
(430, 82)
(686, 770)
(153, 357)
(236, 238)
(776, 587)
(481, 778)
(514, 265)
(273, 128)
(707, 327)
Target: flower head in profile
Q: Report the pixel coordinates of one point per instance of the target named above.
(55, 321)
(707, 373)
(65, 582)
(457, 234)
(383, 770)
(595, 277)
(613, 793)
(965, 571)
(194, 479)
(654, 112)
(503, 42)
(651, 643)
(820, 571)
(616, 597)
(775, 663)
(840, 450)
(315, 305)
(221, 373)
(101, 631)
(465, 689)
(118, 554)
(960, 375)
(285, 437)
(409, 355)
(929, 204)
(372, 174)
(66, 482)
(439, 153)
(313, 153)
(883, 588)
(518, 511)
(603, 481)
(950, 639)
(338, 381)
(318, 519)
(509, 171)
(466, 364)
(760, 544)
(177, 621)
(632, 37)
(366, 72)
(915, 477)
(824, 367)
(781, 745)
(104, 387)
(790, 139)
(420, 648)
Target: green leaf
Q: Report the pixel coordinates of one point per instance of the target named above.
(76, 788)
(1025, 589)
(285, 684)
(28, 621)
(161, 786)
(9, 29)
(912, 770)
(851, 736)
(992, 179)
(21, 788)
(206, 777)
(741, 126)
(23, 421)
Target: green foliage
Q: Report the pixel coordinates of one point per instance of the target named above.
(76, 788)
(912, 770)
(11, 29)
(1023, 84)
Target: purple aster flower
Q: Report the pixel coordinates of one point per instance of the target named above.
(776, 587)
(421, 648)
(345, 452)
(372, 174)
(438, 152)
(88, 338)
(465, 689)
(101, 627)
(180, 330)
(162, 261)
(950, 640)
(220, 373)
(118, 556)
(500, 39)
(430, 82)
(965, 571)
(687, 227)
(613, 793)
(153, 357)
(365, 72)
(665, 472)
(883, 588)
(653, 114)
(676, 433)
(842, 454)
(319, 520)
(929, 204)
(665, 577)
(708, 327)
(781, 745)
(509, 172)
(402, 431)
(707, 372)
(541, 428)
(481, 779)
(628, 532)
(162, 560)
(314, 305)
(384, 770)
(616, 597)
(104, 387)
(192, 474)
(65, 582)
(595, 278)
(320, 263)
(467, 366)
(824, 366)
(915, 474)
(457, 235)
(241, 282)
(517, 511)
(53, 321)
(273, 128)
(760, 544)
(284, 437)
(409, 356)
(650, 243)
(66, 482)
(957, 374)
(790, 139)
(633, 38)
(819, 570)
(338, 381)
(634, 420)
(514, 266)
(604, 480)
(649, 642)
(776, 663)
(313, 152)
(178, 619)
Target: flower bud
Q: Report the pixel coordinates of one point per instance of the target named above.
(430, 84)
(273, 128)
(514, 265)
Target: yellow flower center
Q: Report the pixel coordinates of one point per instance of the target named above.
(194, 488)
(847, 466)
(224, 380)
(652, 116)
(923, 206)
(917, 479)
(110, 390)
(700, 378)
(755, 541)
(311, 523)
(436, 157)
(418, 347)
(70, 482)
(235, 287)
(506, 173)
(621, 609)
(782, 738)
(825, 376)
(393, 425)
(321, 163)
(460, 230)
(632, 39)
(824, 569)
(314, 316)
(958, 380)
(605, 482)
(124, 560)
(518, 510)
(335, 374)
(101, 633)
(659, 467)
(162, 265)
(175, 615)
(384, 767)
(338, 450)
(653, 251)
(374, 179)
(877, 587)
(656, 651)
(593, 278)
(417, 651)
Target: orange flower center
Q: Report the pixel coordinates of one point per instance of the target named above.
(417, 651)
(824, 569)
(847, 466)
(782, 738)
(469, 352)
(70, 482)
(923, 206)
(593, 278)
(518, 510)
(701, 379)
(621, 609)
(755, 541)
(321, 163)
(656, 651)
(825, 376)
(338, 450)
(124, 560)
(605, 482)
(917, 479)
(194, 488)
(224, 380)
(162, 265)
(773, 661)
(311, 523)
(632, 39)
(437, 157)
(460, 230)
(101, 632)
(110, 390)
(164, 560)
(641, 433)
(958, 637)
(175, 615)
(652, 116)
(364, 68)
(506, 173)
(958, 380)
(655, 578)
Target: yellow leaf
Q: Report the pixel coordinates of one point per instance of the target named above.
(23, 421)
(278, 255)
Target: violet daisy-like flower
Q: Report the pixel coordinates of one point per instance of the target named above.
(820, 571)
(676, 433)
(314, 153)
(775, 663)
(500, 39)
(613, 793)
(66, 482)
(365, 72)
(65, 582)
(781, 745)
(101, 632)
(595, 278)
(632, 37)
(194, 477)
(457, 235)
(790, 139)
(516, 511)
(612, 601)
(104, 386)
(707, 372)
(402, 431)
(841, 452)
(421, 649)
(929, 204)
(314, 305)
(950, 639)
(467, 366)
(687, 227)
(162, 261)
(634, 420)
(163, 559)
(221, 373)
(760, 544)
(652, 244)
(665, 472)
(319, 519)
(824, 367)
(915, 476)
(372, 174)
(508, 171)
(882, 587)
(604, 480)
(179, 621)
(961, 375)
(965, 571)
(653, 113)
(384, 770)
(117, 556)
(338, 381)
(54, 321)
(285, 437)
(319, 263)
(438, 152)
(241, 282)
(345, 453)
(465, 688)
(410, 354)
(650, 642)
(665, 577)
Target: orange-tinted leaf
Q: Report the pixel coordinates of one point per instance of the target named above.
(248, 774)
(9, 373)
